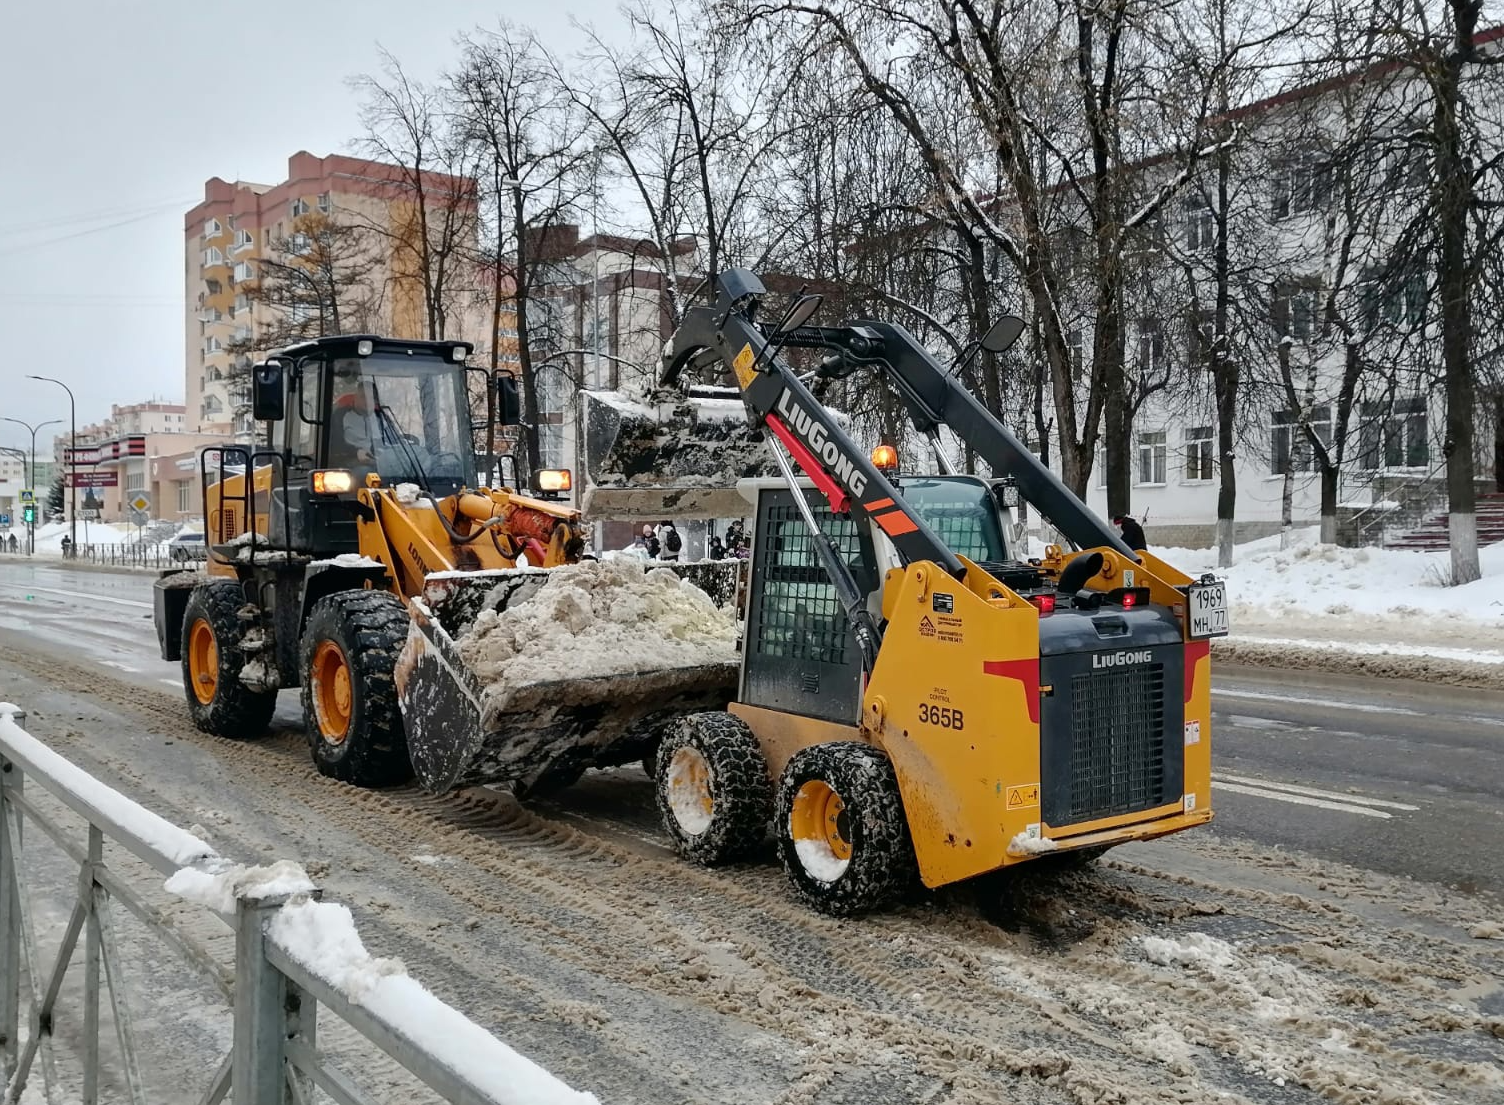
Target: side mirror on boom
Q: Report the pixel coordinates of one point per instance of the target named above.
(268, 392)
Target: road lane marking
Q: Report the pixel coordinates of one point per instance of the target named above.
(1314, 792)
(170, 682)
(1355, 707)
(1296, 799)
(81, 595)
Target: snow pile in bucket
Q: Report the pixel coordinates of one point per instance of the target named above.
(598, 619)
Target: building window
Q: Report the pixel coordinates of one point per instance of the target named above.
(212, 256)
(1300, 185)
(1151, 347)
(1394, 435)
(1200, 227)
(212, 345)
(242, 271)
(242, 303)
(242, 333)
(551, 445)
(213, 287)
(300, 207)
(1075, 343)
(1293, 311)
(324, 203)
(1199, 453)
(1151, 457)
(554, 389)
(243, 240)
(299, 244)
(1398, 300)
(211, 227)
(1289, 445)
(185, 500)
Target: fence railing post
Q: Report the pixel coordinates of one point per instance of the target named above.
(269, 1010)
(10, 926)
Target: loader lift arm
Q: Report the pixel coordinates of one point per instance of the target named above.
(934, 397)
(777, 400)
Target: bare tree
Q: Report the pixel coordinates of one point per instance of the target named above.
(427, 164)
(529, 148)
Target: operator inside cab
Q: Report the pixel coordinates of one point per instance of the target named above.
(357, 424)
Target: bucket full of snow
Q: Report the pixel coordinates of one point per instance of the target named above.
(531, 675)
(672, 454)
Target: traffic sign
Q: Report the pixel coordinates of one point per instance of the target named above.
(4, 519)
(139, 517)
(28, 495)
(141, 503)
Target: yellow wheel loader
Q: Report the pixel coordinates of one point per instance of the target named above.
(350, 551)
(917, 699)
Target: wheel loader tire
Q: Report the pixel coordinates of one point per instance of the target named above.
(713, 789)
(218, 702)
(349, 650)
(842, 833)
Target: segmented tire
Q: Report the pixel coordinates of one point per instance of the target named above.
(218, 702)
(842, 833)
(348, 654)
(713, 789)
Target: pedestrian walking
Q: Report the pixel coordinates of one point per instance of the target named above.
(673, 544)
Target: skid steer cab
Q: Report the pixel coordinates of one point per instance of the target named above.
(321, 536)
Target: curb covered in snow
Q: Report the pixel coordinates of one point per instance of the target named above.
(1293, 655)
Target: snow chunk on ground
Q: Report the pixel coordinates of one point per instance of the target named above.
(321, 937)
(67, 779)
(407, 493)
(219, 889)
(1194, 949)
(598, 619)
(1487, 930)
(1272, 988)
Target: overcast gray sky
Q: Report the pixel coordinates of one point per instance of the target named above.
(116, 112)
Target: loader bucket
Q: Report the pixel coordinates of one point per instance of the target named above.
(545, 733)
(673, 454)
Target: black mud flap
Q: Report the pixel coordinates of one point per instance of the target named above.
(169, 598)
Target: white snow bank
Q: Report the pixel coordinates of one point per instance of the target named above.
(1378, 648)
(594, 619)
(81, 791)
(1267, 584)
(219, 889)
(321, 937)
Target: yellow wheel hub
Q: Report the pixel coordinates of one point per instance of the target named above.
(203, 661)
(333, 692)
(689, 797)
(819, 826)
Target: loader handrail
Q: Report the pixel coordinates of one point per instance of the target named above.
(775, 398)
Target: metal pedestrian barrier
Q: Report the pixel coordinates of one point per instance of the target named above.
(123, 554)
(280, 978)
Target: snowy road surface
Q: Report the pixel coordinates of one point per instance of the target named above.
(1314, 945)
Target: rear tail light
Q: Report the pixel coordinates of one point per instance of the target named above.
(1044, 603)
(1129, 597)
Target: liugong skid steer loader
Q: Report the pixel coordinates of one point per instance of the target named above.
(914, 696)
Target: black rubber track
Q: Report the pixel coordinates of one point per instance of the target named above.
(741, 793)
(882, 862)
(370, 628)
(236, 712)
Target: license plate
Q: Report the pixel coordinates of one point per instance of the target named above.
(1207, 603)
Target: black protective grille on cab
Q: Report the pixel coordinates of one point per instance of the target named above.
(1117, 760)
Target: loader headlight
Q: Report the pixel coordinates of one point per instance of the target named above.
(333, 481)
(555, 479)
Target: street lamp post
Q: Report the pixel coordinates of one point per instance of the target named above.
(31, 531)
(72, 456)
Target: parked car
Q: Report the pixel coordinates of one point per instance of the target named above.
(186, 546)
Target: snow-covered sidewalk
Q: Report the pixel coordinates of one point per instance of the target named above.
(1389, 611)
